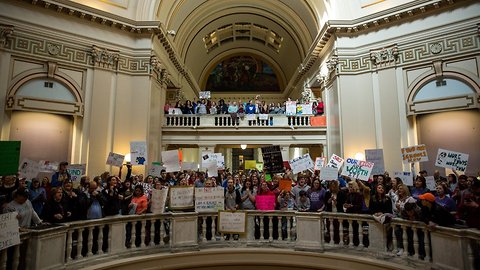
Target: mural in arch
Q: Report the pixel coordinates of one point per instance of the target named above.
(242, 74)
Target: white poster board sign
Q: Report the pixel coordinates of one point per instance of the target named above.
(211, 168)
(232, 222)
(431, 182)
(138, 153)
(9, 234)
(171, 160)
(48, 166)
(290, 107)
(319, 163)
(357, 169)
(28, 169)
(205, 94)
(76, 171)
(115, 159)
(251, 117)
(209, 199)
(181, 197)
(306, 109)
(416, 153)
(189, 166)
(328, 173)
(452, 160)
(335, 162)
(156, 170)
(406, 177)
(158, 200)
(263, 116)
(376, 157)
(301, 164)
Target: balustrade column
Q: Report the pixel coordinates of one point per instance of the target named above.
(80, 243)
(100, 240)
(405, 240)
(90, 241)
(204, 229)
(270, 228)
(69, 245)
(16, 256)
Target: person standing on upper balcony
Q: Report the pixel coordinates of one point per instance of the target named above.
(201, 108)
(61, 175)
(318, 107)
(250, 108)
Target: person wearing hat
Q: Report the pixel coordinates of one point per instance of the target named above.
(434, 214)
(61, 175)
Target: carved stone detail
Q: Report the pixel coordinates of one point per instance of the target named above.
(105, 58)
(53, 49)
(384, 56)
(332, 63)
(6, 32)
(436, 48)
(156, 67)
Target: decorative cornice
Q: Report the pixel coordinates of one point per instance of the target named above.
(6, 32)
(384, 56)
(104, 58)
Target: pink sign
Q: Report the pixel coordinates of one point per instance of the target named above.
(265, 202)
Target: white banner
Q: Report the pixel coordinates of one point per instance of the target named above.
(158, 199)
(357, 169)
(138, 153)
(376, 157)
(181, 197)
(9, 234)
(48, 166)
(452, 160)
(417, 153)
(209, 199)
(335, 162)
(328, 173)
(115, 159)
(171, 160)
(301, 164)
(406, 177)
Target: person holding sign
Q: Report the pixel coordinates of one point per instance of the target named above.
(248, 195)
(353, 205)
(61, 175)
(26, 215)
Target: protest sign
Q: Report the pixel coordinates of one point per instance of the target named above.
(158, 200)
(9, 234)
(263, 116)
(251, 117)
(76, 172)
(232, 222)
(205, 94)
(211, 167)
(265, 202)
(250, 164)
(328, 173)
(318, 121)
(376, 157)
(406, 177)
(452, 160)
(306, 108)
(156, 170)
(259, 167)
(28, 169)
(285, 184)
(209, 199)
(335, 162)
(115, 159)
(171, 161)
(319, 163)
(357, 169)
(138, 153)
(431, 184)
(9, 157)
(290, 107)
(181, 197)
(189, 166)
(417, 153)
(301, 164)
(272, 159)
(48, 166)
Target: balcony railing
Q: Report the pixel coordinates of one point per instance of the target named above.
(225, 120)
(79, 244)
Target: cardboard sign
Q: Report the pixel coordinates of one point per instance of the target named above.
(285, 184)
(406, 177)
(306, 108)
(265, 202)
(335, 162)
(417, 153)
(301, 164)
(232, 222)
(181, 197)
(158, 200)
(28, 169)
(431, 184)
(9, 234)
(209, 199)
(138, 153)
(290, 107)
(319, 163)
(452, 160)
(171, 161)
(328, 173)
(76, 172)
(272, 159)
(115, 159)
(250, 164)
(156, 170)
(9, 157)
(357, 169)
(376, 157)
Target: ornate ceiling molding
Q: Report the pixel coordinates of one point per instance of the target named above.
(104, 58)
(6, 32)
(385, 56)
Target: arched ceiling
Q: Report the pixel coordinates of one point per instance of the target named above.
(279, 31)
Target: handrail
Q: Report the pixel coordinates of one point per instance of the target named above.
(104, 239)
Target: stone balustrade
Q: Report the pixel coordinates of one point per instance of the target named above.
(86, 243)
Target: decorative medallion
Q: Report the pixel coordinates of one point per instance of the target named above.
(436, 48)
(53, 49)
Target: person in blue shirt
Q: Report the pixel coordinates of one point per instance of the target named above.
(250, 107)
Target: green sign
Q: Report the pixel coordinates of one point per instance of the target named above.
(9, 157)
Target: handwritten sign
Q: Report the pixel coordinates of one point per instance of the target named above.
(328, 173)
(138, 153)
(430, 180)
(232, 222)
(156, 170)
(417, 153)
(453, 160)
(209, 199)
(290, 107)
(272, 159)
(28, 169)
(205, 94)
(376, 157)
(76, 171)
(301, 164)
(181, 197)
(115, 159)
(357, 169)
(189, 166)
(285, 184)
(335, 162)
(406, 177)
(158, 200)
(9, 234)
(265, 202)
(319, 163)
(171, 160)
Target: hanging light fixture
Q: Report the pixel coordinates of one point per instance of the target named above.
(243, 146)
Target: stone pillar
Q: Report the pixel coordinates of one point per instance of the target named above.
(184, 232)
(228, 158)
(309, 232)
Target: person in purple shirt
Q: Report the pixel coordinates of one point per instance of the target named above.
(317, 197)
(419, 187)
(443, 200)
